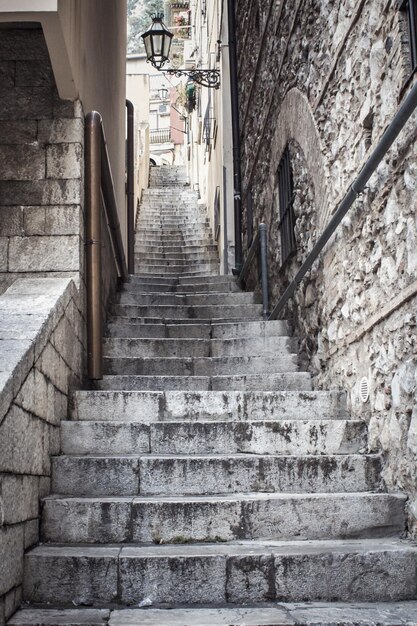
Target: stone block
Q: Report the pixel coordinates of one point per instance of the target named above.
(31, 533)
(59, 130)
(14, 352)
(54, 368)
(70, 617)
(71, 574)
(44, 254)
(40, 192)
(91, 520)
(23, 44)
(250, 578)
(17, 132)
(11, 557)
(12, 601)
(176, 579)
(22, 162)
(33, 396)
(34, 74)
(11, 221)
(64, 160)
(22, 103)
(64, 220)
(24, 444)
(7, 74)
(4, 250)
(20, 497)
(107, 476)
(104, 438)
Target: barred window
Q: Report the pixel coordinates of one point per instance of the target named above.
(286, 211)
(410, 9)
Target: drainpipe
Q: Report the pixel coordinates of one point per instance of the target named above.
(237, 175)
(130, 188)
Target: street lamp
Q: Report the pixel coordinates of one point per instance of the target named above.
(163, 93)
(158, 40)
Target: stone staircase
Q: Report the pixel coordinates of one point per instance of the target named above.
(204, 475)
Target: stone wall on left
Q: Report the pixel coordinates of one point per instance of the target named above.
(42, 347)
(41, 164)
(42, 303)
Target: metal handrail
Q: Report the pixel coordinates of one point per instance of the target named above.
(98, 186)
(259, 243)
(357, 187)
(130, 186)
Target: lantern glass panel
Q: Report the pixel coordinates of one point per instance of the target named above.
(167, 45)
(157, 45)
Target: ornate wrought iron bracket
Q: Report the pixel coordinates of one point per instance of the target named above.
(207, 78)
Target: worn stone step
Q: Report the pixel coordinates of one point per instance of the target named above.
(193, 232)
(309, 614)
(142, 248)
(169, 475)
(185, 255)
(122, 347)
(221, 518)
(170, 348)
(119, 328)
(372, 570)
(201, 366)
(217, 278)
(155, 383)
(173, 240)
(201, 270)
(161, 406)
(192, 312)
(178, 259)
(180, 321)
(295, 381)
(286, 437)
(171, 223)
(189, 299)
(194, 288)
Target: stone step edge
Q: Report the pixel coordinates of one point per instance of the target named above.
(277, 614)
(230, 548)
(232, 497)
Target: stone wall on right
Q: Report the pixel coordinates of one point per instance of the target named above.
(325, 79)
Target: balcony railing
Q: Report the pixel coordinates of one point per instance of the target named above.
(160, 136)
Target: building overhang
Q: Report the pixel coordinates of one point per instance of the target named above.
(47, 14)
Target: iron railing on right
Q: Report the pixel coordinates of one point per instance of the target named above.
(386, 141)
(259, 245)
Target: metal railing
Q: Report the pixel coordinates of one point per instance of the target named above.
(160, 136)
(130, 186)
(259, 245)
(357, 187)
(99, 192)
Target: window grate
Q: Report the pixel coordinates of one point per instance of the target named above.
(410, 8)
(286, 211)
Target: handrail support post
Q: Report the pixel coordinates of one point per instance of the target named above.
(264, 269)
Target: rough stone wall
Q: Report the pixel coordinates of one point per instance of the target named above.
(42, 347)
(328, 79)
(41, 163)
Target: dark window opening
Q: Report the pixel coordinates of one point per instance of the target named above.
(258, 22)
(410, 8)
(286, 211)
